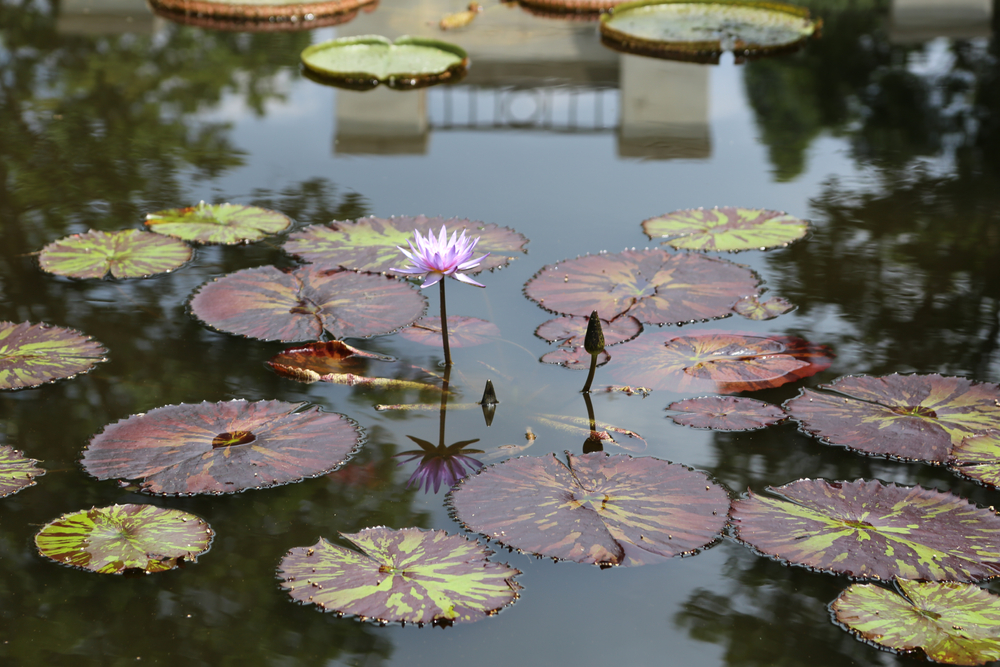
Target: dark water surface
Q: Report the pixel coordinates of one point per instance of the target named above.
(885, 134)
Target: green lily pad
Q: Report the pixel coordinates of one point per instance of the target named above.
(728, 229)
(954, 624)
(113, 539)
(652, 286)
(227, 224)
(752, 308)
(609, 510)
(726, 413)
(17, 472)
(372, 59)
(977, 457)
(912, 417)
(462, 331)
(372, 244)
(703, 29)
(33, 354)
(271, 304)
(870, 530)
(129, 253)
(222, 447)
(407, 576)
(336, 362)
(721, 361)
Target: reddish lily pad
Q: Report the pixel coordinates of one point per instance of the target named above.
(752, 308)
(722, 361)
(871, 530)
(339, 363)
(726, 413)
(576, 358)
(222, 447)
(270, 304)
(570, 331)
(33, 354)
(407, 576)
(462, 331)
(129, 253)
(113, 539)
(978, 458)
(954, 624)
(372, 244)
(913, 417)
(652, 286)
(17, 472)
(726, 229)
(228, 224)
(609, 510)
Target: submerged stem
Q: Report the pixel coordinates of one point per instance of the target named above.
(444, 327)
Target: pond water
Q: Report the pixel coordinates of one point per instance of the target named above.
(884, 133)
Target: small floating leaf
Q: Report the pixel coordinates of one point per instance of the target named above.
(372, 244)
(954, 624)
(576, 358)
(753, 309)
(409, 576)
(129, 253)
(269, 304)
(461, 19)
(918, 417)
(610, 510)
(113, 539)
(336, 362)
(228, 224)
(722, 361)
(703, 29)
(33, 354)
(652, 286)
(726, 413)
(728, 229)
(871, 530)
(462, 331)
(16, 471)
(571, 331)
(372, 59)
(222, 447)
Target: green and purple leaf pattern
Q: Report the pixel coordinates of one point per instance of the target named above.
(726, 413)
(227, 224)
(113, 539)
(914, 417)
(752, 308)
(33, 354)
(978, 457)
(270, 304)
(721, 361)
(408, 576)
(870, 530)
(652, 286)
(372, 244)
(222, 447)
(729, 229)
(129, 253)
(953, 623)
(462, 331)
(609, 510)
(17, 472)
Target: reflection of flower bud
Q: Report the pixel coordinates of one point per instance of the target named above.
(593, 342)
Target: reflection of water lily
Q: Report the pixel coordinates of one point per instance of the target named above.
(435, 258)
(439, 464)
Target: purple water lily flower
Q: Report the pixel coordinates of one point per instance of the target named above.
(435, 258)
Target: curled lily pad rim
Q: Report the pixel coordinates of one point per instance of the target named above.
(367, 80)
(291, 13)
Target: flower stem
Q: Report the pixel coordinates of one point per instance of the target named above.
(444, 327)
(590, 377)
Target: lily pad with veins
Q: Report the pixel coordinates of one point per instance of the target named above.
(367, 60)
(227, 224)
(914, 417)
(729, 229)
(462, 331)
(722, 361)
(222, 447)
(17, 472)
(33, 354)
(977, 457)
(129, 253)
(726, 413)
(299, 305)
(111, 540)
(609, 510)
(407, 576)
(953, 623)
(576, 358)
(870, 530)
(653, 286)
(372, 244)
(753, 308)
(570, 331)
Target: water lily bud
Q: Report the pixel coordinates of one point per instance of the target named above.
(593, 342)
